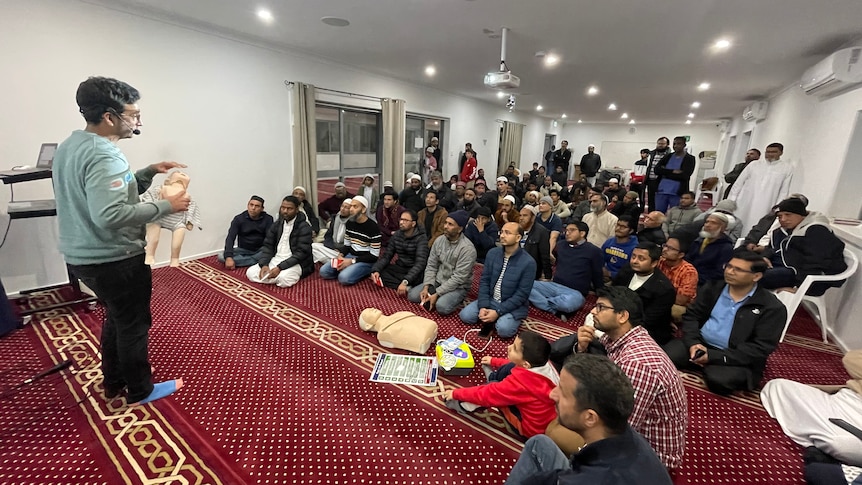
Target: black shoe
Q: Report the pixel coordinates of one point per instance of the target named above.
(562, 316)
(113, 392)
(485, 332)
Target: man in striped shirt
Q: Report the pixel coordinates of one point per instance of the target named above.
(361, 247)
(660, 412)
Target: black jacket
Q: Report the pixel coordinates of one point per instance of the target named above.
(756, 328)
(410, 199)
(591, 163)
(309, 214)
(300, 245)
(652, 234)
(412, 253)
(683, 178)
(561, 158)
(658, 296)
(538, 245)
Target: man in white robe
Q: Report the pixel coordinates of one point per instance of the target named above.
(761, 185)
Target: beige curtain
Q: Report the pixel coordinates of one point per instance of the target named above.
(304, 140)
(394, 116)
(510, 147)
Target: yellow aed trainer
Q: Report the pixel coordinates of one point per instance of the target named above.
(454, 357)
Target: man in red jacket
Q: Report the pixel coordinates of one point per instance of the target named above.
(520, 388)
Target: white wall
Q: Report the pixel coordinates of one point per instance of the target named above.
(216, 104)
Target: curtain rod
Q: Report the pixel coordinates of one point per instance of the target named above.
(507, 121)
(343, 93)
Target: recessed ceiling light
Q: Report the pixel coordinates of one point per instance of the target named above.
(691, 115)
(539, 107)
(430, 70)
(721, 44)
(580, 121)
(695, 105)
(592, 91)
(632, 122)
(688, 122)
(703, 86)
(551, 60)
(335, 21)
(564, 116)
(624, 116)
(501, 94)
(265, 15)
(612, 107)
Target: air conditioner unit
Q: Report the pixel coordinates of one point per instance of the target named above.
(836, 72)
(755, 112)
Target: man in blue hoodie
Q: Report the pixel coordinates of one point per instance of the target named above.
(102, 228)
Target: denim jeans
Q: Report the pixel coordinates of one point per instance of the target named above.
(351, 275)
(554, 297)
(506, 325)
(125, 287)
(242, 257)
(540, 455)
(446, 303)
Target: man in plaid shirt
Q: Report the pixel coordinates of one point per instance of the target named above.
(660, 412)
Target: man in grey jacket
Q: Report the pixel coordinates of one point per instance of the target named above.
(449, 272)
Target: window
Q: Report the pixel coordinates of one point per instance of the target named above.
(348, 141)
(418, 132)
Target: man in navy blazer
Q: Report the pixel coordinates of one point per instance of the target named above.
(505, 286)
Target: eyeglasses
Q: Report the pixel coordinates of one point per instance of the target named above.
(728, 266)
(406, 220)
(134, 116)
(665, 246)
(600, 307)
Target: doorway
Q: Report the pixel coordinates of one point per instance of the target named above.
(550, 144)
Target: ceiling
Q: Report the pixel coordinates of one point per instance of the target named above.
(645, 56)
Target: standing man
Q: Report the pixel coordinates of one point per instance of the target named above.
(549, 158)
(591, 163)
(504, 288)
(562, 157)
(101, 221)
(286, 255)
(662, 147)
(733, 175)
(411, 246)
(594, 399)
(761, 185)
(674, 172)
(438, 154)
(449, 272)
(248, 230)
(361, 247)
(370, 192)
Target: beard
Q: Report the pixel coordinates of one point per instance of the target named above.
(708, 235)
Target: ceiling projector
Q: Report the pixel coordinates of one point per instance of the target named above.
(502, 80)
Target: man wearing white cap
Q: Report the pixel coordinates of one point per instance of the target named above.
(712, 249)
(305, 207)
(435, 144)
(591, 163)
(361, 247)
(370, 192)
(413, 196)
(334, 237)
(332, 205)
(429, 164)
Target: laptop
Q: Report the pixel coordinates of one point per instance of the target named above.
(43, 164)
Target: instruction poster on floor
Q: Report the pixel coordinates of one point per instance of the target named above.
(405, 369)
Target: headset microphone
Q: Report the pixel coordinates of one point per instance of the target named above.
(135, 131)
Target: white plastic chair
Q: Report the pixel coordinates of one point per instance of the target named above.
(792, 300)
(714, 195)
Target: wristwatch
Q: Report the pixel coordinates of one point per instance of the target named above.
(405, 282)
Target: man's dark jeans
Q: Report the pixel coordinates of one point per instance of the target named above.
(125, 287)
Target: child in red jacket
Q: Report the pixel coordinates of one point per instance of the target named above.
(520, 388)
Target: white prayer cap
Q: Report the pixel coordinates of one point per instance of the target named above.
(388, 183)
(362, 200)
(614, 181)
(415, 177)
(591, 146)
(300, 187)
(502, 179)
(346, 201)
(510, 199)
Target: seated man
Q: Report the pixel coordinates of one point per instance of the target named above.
(803, 245)
(483, 232)
(432, 217)
(286, 253)
(615, 192)
(711, 250)
(504, 288)
(334, 237)
(520, 387)
(331, 206)
(682, 214)
(388, 216)
(660, 410)
(652, 230)
(550, 221)
(629, 206)
(536, 240)
(618, 249)
(305, 208)
(681, 274)
(449, 272)
(601, 222)
(654, 289)
(561, 209)
(413, 196)
(248, 230)
(734, 229)
(468, 202)
(506, 211)
(579, 270)
(594, 399)
(410, 244)
(485, 198)
(731, 328)
(360, 250)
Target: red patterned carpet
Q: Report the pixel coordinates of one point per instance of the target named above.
(277, 391)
